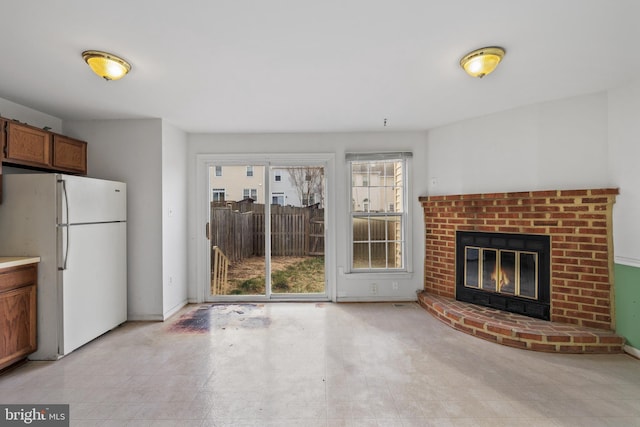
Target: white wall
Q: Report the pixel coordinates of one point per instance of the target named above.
(348, 286)
(131, 151)
(174, 219)
(624, 140)
(13, 111)
(553, 145)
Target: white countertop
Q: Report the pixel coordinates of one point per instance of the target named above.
(15, 261)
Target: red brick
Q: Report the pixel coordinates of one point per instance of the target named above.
(576, 208)
(513, 343)
(596, 325)
(559, 338)
(570, 349)
(500, 330)
(542, 347)
(463, 328)
(595, 200)
(564, 193)
(612, 340)
(562, 201)
(585, 339)
(486, 336)
(529, 336)
(474, 323)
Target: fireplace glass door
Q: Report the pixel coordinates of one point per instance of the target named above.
(508, 272)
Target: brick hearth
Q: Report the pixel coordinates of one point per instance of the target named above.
(519, 331)
(579, 223)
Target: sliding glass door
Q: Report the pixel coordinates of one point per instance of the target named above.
(266, 230)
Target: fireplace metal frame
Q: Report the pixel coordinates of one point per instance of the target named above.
(533, 243)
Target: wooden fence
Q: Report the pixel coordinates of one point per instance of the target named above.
(378, 230)
(219, 269)
(240, 232)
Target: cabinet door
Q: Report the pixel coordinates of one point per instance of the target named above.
(27, 145)
(17, 324)
(69, 154)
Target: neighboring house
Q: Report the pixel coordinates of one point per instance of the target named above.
(236, 183)
(289, 186)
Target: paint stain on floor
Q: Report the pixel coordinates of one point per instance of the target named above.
(221, 317)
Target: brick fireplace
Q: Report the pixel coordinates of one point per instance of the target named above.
(579, 226)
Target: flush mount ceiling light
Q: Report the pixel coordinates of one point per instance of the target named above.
(481, 62)
(106, 65)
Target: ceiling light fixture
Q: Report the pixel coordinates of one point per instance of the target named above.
(106, 65)
(481, 62)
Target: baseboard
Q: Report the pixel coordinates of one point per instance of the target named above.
(145, 318)
(376, 299)
(632, 351)
(630, 262)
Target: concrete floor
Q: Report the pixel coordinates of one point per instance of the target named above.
(307, 364)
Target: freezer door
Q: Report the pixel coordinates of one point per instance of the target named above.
(92, 291)
(85, 200)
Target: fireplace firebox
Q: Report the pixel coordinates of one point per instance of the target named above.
(504, 271)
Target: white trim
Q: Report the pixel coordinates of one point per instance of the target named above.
(383, 275)
(373, 156)
(377, 299)
(631, 262)
(146, 318)
(632, 351)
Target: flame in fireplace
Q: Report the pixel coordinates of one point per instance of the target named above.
(500, 277)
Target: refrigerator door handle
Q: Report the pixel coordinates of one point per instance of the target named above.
(65, 224)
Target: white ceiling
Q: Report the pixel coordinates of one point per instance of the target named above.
(310, 66)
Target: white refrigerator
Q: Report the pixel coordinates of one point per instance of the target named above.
(77, 226)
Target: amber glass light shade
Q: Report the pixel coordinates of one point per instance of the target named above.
(483, 61)
(106, 65)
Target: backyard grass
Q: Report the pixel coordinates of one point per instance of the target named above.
(302, 275)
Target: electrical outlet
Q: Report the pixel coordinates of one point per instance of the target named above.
(394, 286)
(374, 289)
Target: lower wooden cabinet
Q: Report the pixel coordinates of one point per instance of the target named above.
(18, 313)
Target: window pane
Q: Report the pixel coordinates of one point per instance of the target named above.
(361, 255)
(360, 200)
(379, 199)
(360, 229)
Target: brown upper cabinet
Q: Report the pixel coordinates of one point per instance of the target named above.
(29, 146)
(69, 155)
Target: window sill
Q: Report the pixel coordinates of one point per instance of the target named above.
(375, 275)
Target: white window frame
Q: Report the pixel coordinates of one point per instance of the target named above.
(218, 191)
(218, 171)
(405, 215)
(278, 195)
(249, 171)
(251, 193)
